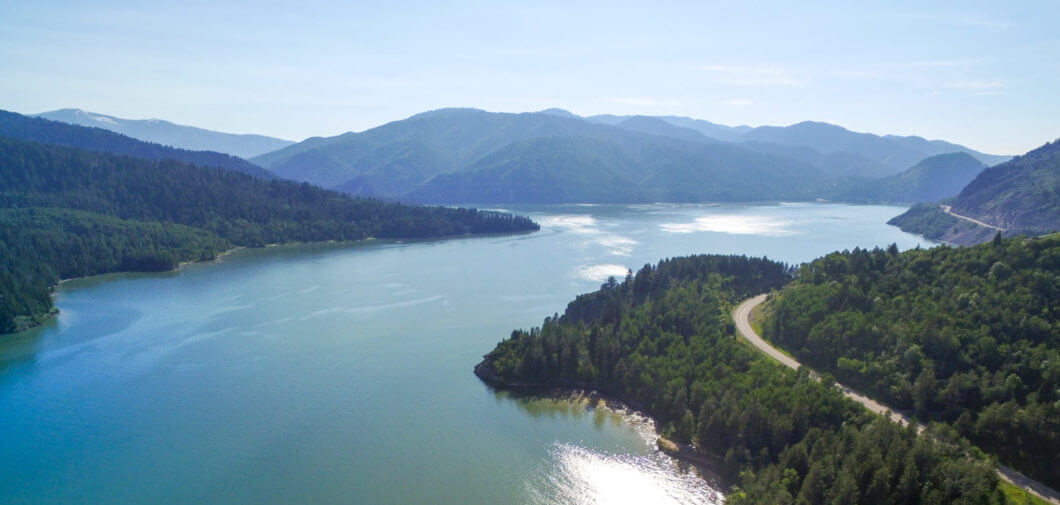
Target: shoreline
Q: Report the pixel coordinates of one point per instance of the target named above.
(41, 319)
(680, 453)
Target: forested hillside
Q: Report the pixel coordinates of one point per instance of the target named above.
(968, 336)
(138, 214)
(663, 339)
(1022, 194)
(19, 127)
(38, 246)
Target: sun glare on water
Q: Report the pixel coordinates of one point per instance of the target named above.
(581, 476)
(733, 224)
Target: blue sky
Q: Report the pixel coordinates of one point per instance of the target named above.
(983, 74)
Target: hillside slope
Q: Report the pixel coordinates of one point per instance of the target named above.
(1021, 196)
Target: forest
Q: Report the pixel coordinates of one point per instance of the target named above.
(136, 214)
(966, 336)
(663, 340)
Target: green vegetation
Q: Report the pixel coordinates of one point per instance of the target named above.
(966, 336)
(137, 214)
(1017, 496)
(663, 340)
(40, 245)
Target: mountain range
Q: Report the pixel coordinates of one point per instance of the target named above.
(553, 156)
(170, 134)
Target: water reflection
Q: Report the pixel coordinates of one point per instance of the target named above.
(576, 474)
(582, 476)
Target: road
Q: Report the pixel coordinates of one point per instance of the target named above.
(741, 315)
(946, 209)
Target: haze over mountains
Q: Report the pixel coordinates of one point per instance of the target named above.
(553, 156)
(470, 155)
(933, 179)
(170, 134)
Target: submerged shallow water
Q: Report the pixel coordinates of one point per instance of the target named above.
(342, 373)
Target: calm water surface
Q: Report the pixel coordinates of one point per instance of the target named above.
(342, 373)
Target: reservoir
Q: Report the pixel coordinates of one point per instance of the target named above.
(342, 373)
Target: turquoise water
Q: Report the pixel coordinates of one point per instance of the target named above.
(342, 373)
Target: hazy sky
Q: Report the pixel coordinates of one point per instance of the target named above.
(983, 74)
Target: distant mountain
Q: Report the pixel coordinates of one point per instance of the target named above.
(833, 149)
(706, 128)
(634, 169)
(559, 112)
(933, 179)
(45, 131)
(894, 152)
(712, 130)
(446, 155)
(1018, 196)
(469, 155)
(657, 126)
(838, 164)
(170, 134)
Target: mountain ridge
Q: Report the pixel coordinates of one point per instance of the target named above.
(163, 132)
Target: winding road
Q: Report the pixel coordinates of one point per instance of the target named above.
(741, 315)
(946, 209)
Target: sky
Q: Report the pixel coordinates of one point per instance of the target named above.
(981, 74)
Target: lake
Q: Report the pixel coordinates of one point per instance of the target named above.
(342, 373)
